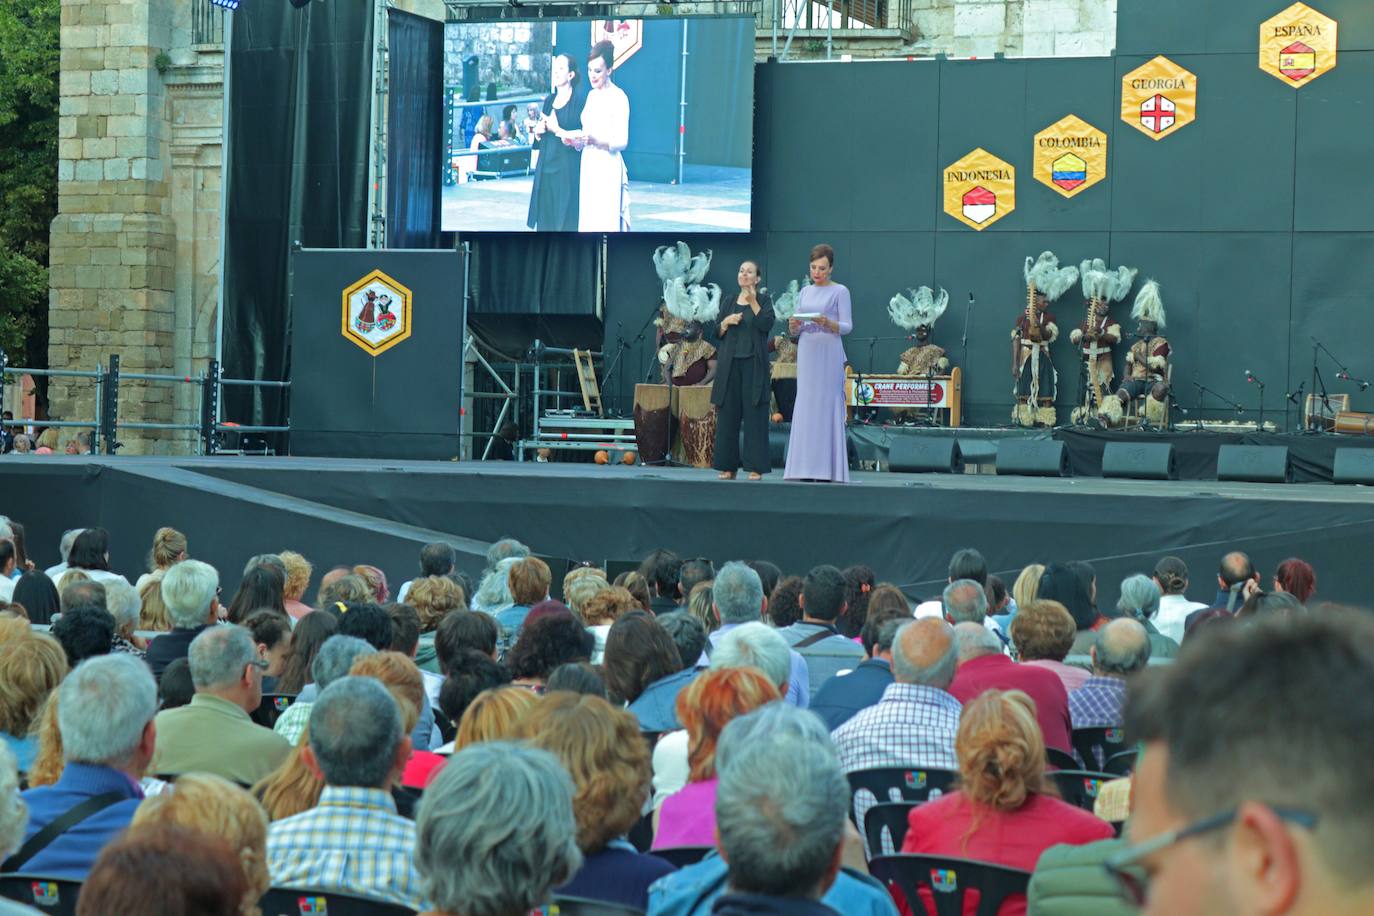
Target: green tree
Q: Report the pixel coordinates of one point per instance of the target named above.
(29, 61)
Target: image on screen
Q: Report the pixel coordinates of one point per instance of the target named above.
(605, 125)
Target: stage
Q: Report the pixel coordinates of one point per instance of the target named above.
(344, 511)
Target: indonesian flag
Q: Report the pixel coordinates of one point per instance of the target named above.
(980, 204)
(1157, 114)
(1297, 61)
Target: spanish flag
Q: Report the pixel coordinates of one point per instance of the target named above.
(1297, 61)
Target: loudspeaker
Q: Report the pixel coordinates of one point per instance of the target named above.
(925, 455)
(1032, 457)
(1353, 465)
(1257, 463)
(1139, 460)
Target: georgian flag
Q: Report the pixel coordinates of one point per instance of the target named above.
(980, 204)
(1157, 114)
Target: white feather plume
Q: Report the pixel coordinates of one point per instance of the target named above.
(921, 308)
(698, 266)
(1149, 304)
(672, 261)
(692, 303)
(1048, 277)
(785, 302)
(1100, 282)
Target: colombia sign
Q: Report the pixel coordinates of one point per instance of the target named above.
(1298, 45)
(1158, 98)
(980, 189)
(1070, 156)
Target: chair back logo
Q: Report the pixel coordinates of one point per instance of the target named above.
(915, 779)
(312, 906)
(45, 893)
(944, 880)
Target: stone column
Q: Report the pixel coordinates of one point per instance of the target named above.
(113, 241)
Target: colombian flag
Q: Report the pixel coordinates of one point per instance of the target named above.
(1070, 171)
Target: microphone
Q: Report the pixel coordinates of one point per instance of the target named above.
(1252, 378)
(970, 297)
(1346, 376)
(1295, 397)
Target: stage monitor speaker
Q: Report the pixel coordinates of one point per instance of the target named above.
(1139, 460)
(1032, 458)
(1353, 465)
(1255, 463)
(925, 455)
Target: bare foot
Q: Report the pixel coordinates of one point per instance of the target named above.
(755, 475)
(726, 475)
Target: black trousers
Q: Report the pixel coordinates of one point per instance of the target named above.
(739, 410)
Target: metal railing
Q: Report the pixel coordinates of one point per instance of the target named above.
(207, 23)
(106, 425)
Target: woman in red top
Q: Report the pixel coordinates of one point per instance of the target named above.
(1005, 811)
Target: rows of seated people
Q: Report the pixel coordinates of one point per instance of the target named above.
(684, 740)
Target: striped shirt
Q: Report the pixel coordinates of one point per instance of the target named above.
(352, 842)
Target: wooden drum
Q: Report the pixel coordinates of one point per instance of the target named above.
(696, 425)
(653, 415)
(1354, 423)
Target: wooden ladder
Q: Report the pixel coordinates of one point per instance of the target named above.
(586, 380)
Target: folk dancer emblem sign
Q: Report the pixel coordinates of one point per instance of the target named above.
(980, 189)
(1070, 156)
(625, 35)
(1298, 45)
(1159, 98)
(376, 313)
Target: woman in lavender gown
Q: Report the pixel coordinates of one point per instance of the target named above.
(816, 449)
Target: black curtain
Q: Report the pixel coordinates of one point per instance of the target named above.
(414, 127)
(299, 111)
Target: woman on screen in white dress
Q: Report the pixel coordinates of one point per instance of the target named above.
(604, 192)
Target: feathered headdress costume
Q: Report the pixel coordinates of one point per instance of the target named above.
(921, 309)
(1149, 305)
(785, 302)
(1103, 284)
(1048, 278)
(681, 273)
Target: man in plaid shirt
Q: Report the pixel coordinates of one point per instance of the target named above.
(353, 841)
(1122, 649)
(915, 722)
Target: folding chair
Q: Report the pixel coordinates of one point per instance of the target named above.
(55, 896)
(1080, 787)
(1094, 745)
(287, 901)
(947, 880)
(889, 816)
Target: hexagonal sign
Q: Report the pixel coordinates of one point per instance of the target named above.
(980, 189)
(625, 35)
(376, 313)
(1070, 156)
(1159, 98)
(1298, 45)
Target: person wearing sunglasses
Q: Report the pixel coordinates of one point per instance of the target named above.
(1253, 794)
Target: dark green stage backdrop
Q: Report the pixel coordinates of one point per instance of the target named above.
(1257, 219)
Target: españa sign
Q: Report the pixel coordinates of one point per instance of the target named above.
(1298, 45)
(1158, 98)
(980, 189)
(1070, 156)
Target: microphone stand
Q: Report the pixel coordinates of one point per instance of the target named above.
(617, 367)
(1256, 381)
(1234, 405)
(1319, 386)
(963, 358)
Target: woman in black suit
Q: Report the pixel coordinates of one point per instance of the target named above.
(740, 390)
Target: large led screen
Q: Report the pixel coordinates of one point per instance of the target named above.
(606, 125)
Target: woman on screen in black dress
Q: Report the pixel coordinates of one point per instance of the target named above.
(553, 196)
(740, 391)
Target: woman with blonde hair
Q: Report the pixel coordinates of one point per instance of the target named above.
(705, 707)
(1004, 810)
(298, 570)
(31, 668)
(494, 716)
(169, 548)
(433, 597)
(700, 604)
(152, 614)
(214, 806)
(1027, 585)
(603, 609)
(376, 581)
(601, 748)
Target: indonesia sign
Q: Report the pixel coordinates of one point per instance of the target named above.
(1298, 45)
(376, 313)
(980, 189)
(1070, 156)
(1158, 98)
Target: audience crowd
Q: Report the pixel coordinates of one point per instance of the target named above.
(682, 739)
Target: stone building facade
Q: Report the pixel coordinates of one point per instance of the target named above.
(514, 56)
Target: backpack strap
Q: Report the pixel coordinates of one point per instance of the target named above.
(58, 826)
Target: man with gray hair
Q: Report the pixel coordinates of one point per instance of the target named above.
(461, 869)
(755, 645)
(737, 596)
(105, 717)
(505, 549)
(334, 660)
(64, 548)
(982, 666)
(190, 590)
(214, 734)
(774, 729)
(353, 841)
(780, 816)
(915, 722)
(1122, 649)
